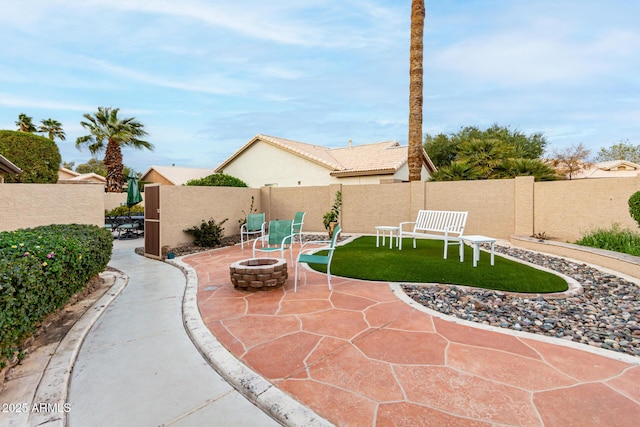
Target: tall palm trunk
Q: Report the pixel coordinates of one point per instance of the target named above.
(113, 162)
(415, 90)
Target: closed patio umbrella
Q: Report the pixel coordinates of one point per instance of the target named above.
(133, 191)
(133, 198)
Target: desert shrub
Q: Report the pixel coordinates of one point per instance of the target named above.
(218, 180)
(634, 206)
(40, 269)
(37, 156)
(209, 234)
(613, 239)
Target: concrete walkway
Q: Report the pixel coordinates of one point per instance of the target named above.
(138, 367)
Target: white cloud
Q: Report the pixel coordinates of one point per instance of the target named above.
(13, 101)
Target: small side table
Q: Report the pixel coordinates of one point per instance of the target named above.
(387, 229)
(476, 240)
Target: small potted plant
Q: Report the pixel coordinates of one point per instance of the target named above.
(330, 219)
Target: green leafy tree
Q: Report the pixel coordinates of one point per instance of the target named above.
(37, 156)
(25, 123)
(218, 180)
(414, 158)
(441, 149)
(94, 166)
(109, 133)
(623, 150)
(68, 165)
(53, 129)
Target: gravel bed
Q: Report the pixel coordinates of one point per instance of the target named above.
(605, 315)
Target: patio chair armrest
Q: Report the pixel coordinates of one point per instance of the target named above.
(290, 237)
(255, 242)
(315, 249)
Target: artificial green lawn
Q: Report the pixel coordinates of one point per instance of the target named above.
(361, 259)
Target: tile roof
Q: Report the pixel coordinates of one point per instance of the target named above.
(178, 175)
(610, 169)
(368, 159)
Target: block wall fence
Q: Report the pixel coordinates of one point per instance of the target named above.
(562, 210)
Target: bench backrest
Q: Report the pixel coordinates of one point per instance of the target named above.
(441, 221)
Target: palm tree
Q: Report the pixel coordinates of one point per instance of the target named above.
(52, 128)
(510, 168)
(457, 171)
(106, 126)
(484, 154)
(25, 123)
(415, 90)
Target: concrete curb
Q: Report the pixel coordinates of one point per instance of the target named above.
(54, 385)
(255, 388)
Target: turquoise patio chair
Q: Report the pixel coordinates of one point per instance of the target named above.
(254, 226)
(279, 238)
(298, 222)
(312, 258)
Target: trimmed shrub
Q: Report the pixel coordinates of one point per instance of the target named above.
(634, 206)
(37, 156)
(40, 269)
(218, 180)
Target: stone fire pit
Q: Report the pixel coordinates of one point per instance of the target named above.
(258, 274)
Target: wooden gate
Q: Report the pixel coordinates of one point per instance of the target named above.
(152, 221)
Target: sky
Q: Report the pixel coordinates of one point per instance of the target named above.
(206, 76)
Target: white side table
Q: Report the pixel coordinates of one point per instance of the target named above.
(476, 240)
(391, 231)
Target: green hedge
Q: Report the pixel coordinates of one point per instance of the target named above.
(40, 269)
(218, 180)
(37, 156)
(634, 206)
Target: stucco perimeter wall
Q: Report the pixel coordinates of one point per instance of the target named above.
(365, 206)
(284, 202)
(185, 206)
(490, 203)
(32, 205)
(565, 210)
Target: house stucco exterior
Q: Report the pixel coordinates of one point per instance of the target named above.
(274, 162)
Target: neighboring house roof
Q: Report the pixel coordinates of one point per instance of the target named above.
(67, 176)
(369, 159)
(176, 175)
(610, 169)
(7, 167)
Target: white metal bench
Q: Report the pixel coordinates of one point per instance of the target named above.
(443, 225)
